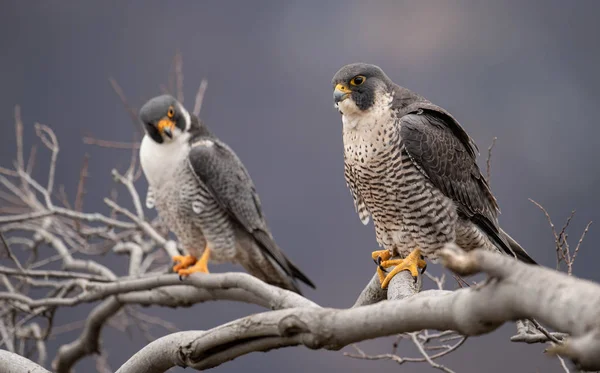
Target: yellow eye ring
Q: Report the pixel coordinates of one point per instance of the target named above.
(171, 112)
(358, 80)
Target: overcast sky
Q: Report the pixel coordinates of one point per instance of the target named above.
(525, 72)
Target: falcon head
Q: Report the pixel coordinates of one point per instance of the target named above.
(356, 87)
(165, 119)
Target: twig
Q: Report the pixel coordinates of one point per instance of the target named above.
(10, 253)
(200, 97)
(435, 365)
(48, 137)
(19, 138)
(83, 174)
(137, 125)
(51, 274)
(178, 66)
(563, 364)
(570, 266)
(111, 144)
(127, 181)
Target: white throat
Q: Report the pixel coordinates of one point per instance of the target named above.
(355, 119)
(161, 161)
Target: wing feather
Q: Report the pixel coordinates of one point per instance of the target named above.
(446, 155)
(220, 170)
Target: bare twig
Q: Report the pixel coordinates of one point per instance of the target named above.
(178, 66)
(137, 125)
(111, 144)
(570, 269)
(435, 365)
(10, 253)
(200, 97)
(48, 137)
(83, 174)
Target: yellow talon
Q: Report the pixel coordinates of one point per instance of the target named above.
(383, 254)
(183, 262)
(199, 266)
(411, 263)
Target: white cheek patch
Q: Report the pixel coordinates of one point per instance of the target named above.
(354, 118)
(186, 116)
(348, 107)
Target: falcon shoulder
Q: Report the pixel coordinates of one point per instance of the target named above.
(445, 154)
(218, 168)
(359, 204)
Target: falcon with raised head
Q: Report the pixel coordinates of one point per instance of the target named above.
(204, 194)
(411, 167)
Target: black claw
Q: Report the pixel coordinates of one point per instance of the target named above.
(416, 278)
(424, 268)
(378, 262)
(180, 278)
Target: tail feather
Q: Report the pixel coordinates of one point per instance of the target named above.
(519, 251)
(280, 261)
(501, 239)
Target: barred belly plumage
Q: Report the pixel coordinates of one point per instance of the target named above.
(407, 210)
(194, 216)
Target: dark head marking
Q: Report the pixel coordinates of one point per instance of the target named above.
(161, 115)
(360, 82)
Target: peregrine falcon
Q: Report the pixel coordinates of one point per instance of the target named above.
(204, 194)
(411, 167)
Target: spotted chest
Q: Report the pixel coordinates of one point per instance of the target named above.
(407, 210)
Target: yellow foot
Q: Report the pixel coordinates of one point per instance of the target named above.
(183, 262)
(380, 256)
(412, 263)
(200, 266)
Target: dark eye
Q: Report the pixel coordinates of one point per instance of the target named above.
(171, 112)
(358, 80)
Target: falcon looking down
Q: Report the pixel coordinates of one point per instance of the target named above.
(411, 167)
(204, 194)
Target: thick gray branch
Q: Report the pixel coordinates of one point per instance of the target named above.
(89, 340)
(514, 291)
(13, 363)
(216, 284)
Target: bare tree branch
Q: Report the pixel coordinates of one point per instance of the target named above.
(514, 291)
(14, 363)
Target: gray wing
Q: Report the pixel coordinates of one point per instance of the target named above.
(446, 155)
(359, 204)
(221, 171)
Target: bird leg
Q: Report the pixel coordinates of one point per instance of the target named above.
(412, 263)
(200, 266)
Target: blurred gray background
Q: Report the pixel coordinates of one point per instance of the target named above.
(523, 71)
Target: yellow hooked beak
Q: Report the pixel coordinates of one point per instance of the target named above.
(166, 126)
(340, 93)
